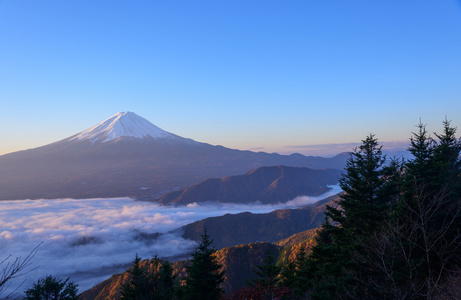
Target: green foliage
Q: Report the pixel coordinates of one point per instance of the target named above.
(295, 274)
(259, 292)
(166, 282)
(51, 288)
(327, 262)
(266, 285)
(429, 215)
(268, 273)
(138, 286)
(397, 233)
(204, 275)
(368, 193)
(366, 203)
(240, 262)
(155, 285)
(288, 274)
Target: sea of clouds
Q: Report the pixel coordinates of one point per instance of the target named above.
(91, 239)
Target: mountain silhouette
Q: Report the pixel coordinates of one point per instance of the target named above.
(126, 155)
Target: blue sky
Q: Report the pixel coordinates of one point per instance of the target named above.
(244, 74)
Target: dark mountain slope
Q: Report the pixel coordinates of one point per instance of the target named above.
(292, 245)
(127, 167)
(269, 185)
(230, 230)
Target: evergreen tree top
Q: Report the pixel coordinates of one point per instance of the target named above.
(204, 276)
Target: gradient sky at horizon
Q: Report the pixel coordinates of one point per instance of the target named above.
(262, 75)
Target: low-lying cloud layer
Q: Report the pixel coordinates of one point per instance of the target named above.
(90, 239)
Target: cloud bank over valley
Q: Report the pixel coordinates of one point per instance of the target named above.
(90, 239)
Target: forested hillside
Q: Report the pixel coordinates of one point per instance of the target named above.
(239, 263)
(243, 228)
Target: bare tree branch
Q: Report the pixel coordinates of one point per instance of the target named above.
(14, 268)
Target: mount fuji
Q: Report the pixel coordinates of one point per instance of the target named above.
(125, 125)
(126, 155)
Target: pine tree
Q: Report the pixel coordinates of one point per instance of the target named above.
(270, 283)
(204, 276)
(429, 215)
(421, 147)
(365, 206)
(295, 274)
(52, 288)
(301, 270)
(397, 233)
(288, 274)
(268, 273)
(138, 287)
(155, 282)
(166, 282)
(446, 159)
(326, 263)
(366, 201)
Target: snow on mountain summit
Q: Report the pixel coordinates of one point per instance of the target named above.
(123, 124)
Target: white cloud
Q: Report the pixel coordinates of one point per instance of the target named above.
(91, 239)
(6, 235)
(306, 200)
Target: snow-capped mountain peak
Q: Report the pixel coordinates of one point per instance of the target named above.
(123, 124)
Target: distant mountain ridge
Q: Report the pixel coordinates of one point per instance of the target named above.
(268, 185)
(126, 155)
(243, 228)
